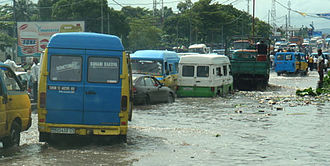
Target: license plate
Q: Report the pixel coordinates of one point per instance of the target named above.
(62, 130)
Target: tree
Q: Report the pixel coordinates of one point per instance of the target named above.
(45, 9)
(7, 27)
(26, 10)
(144, 35)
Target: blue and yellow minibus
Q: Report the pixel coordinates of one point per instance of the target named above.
(84, 86)
(290, 62)
(159, 63)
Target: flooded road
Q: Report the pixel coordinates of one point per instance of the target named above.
(273, 127)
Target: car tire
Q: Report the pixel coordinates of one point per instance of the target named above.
(170, 98)
(14, 137)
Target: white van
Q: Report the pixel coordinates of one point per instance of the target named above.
(204, 75)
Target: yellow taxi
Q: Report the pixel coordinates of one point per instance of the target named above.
(15, 107)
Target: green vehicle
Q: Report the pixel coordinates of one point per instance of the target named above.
(250, 69)
(204, 75)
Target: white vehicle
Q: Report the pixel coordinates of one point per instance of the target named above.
(294, 47)
(199, 48)
(204, 75)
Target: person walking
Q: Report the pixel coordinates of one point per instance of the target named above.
(320, 66)
(11, 63)
(35, 71)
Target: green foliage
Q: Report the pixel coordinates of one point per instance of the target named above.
(308, 91)
(324, 90)
(144, 35)
(6, 41)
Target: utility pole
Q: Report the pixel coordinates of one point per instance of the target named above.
(14, 49)
(248, 6)
(286, 27)
(154, 6)
(273, 16)
(101, 16)
(108, 24)
(253, 22)
(289, 10)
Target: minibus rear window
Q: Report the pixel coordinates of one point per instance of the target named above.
(280, 56)
(65, 68)
(103, 69)
(188, 71)
(202, 71)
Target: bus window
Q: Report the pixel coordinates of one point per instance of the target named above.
(202, 71)
(65, 68)
(176, 66)
(288, 57)
(280, 56)
(170, 68)
(218, 73)
(103, 69)
(225, 72)
(188, 71)
(151, 67)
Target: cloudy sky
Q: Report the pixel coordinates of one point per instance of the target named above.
(310, 7)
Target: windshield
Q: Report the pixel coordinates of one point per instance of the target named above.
(151, 67)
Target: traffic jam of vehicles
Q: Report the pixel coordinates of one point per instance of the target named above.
(142, 78)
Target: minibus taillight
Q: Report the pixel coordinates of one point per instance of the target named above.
(42, 99)
(212, 89)
(124, 103)
(134, 90)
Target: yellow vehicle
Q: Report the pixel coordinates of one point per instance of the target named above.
(15, 107)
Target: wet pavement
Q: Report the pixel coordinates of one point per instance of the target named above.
(271, 127)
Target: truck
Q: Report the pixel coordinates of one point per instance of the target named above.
(250, 70)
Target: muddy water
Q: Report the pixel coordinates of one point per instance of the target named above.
(273, 127)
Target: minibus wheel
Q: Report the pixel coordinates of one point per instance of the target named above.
(14, 137)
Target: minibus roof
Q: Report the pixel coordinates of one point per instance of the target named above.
(205, 59)
(155, 54)
(85, 40)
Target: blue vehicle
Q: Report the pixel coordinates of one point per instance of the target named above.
(159, 63)
(290, 62)
(85, 86)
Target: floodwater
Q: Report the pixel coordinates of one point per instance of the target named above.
(271, 127)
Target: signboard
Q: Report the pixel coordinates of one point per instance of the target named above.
(33, 37)
(324, 15)
(317, 33)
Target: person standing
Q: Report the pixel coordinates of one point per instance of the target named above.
(11, 63)
(35, 71)
(320, 66)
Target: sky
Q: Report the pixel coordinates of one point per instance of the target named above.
(262, 7)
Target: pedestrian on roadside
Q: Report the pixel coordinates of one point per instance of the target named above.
(315, 61)
(310, 62)
(11, 63)
(35, 71)
(320, 66)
